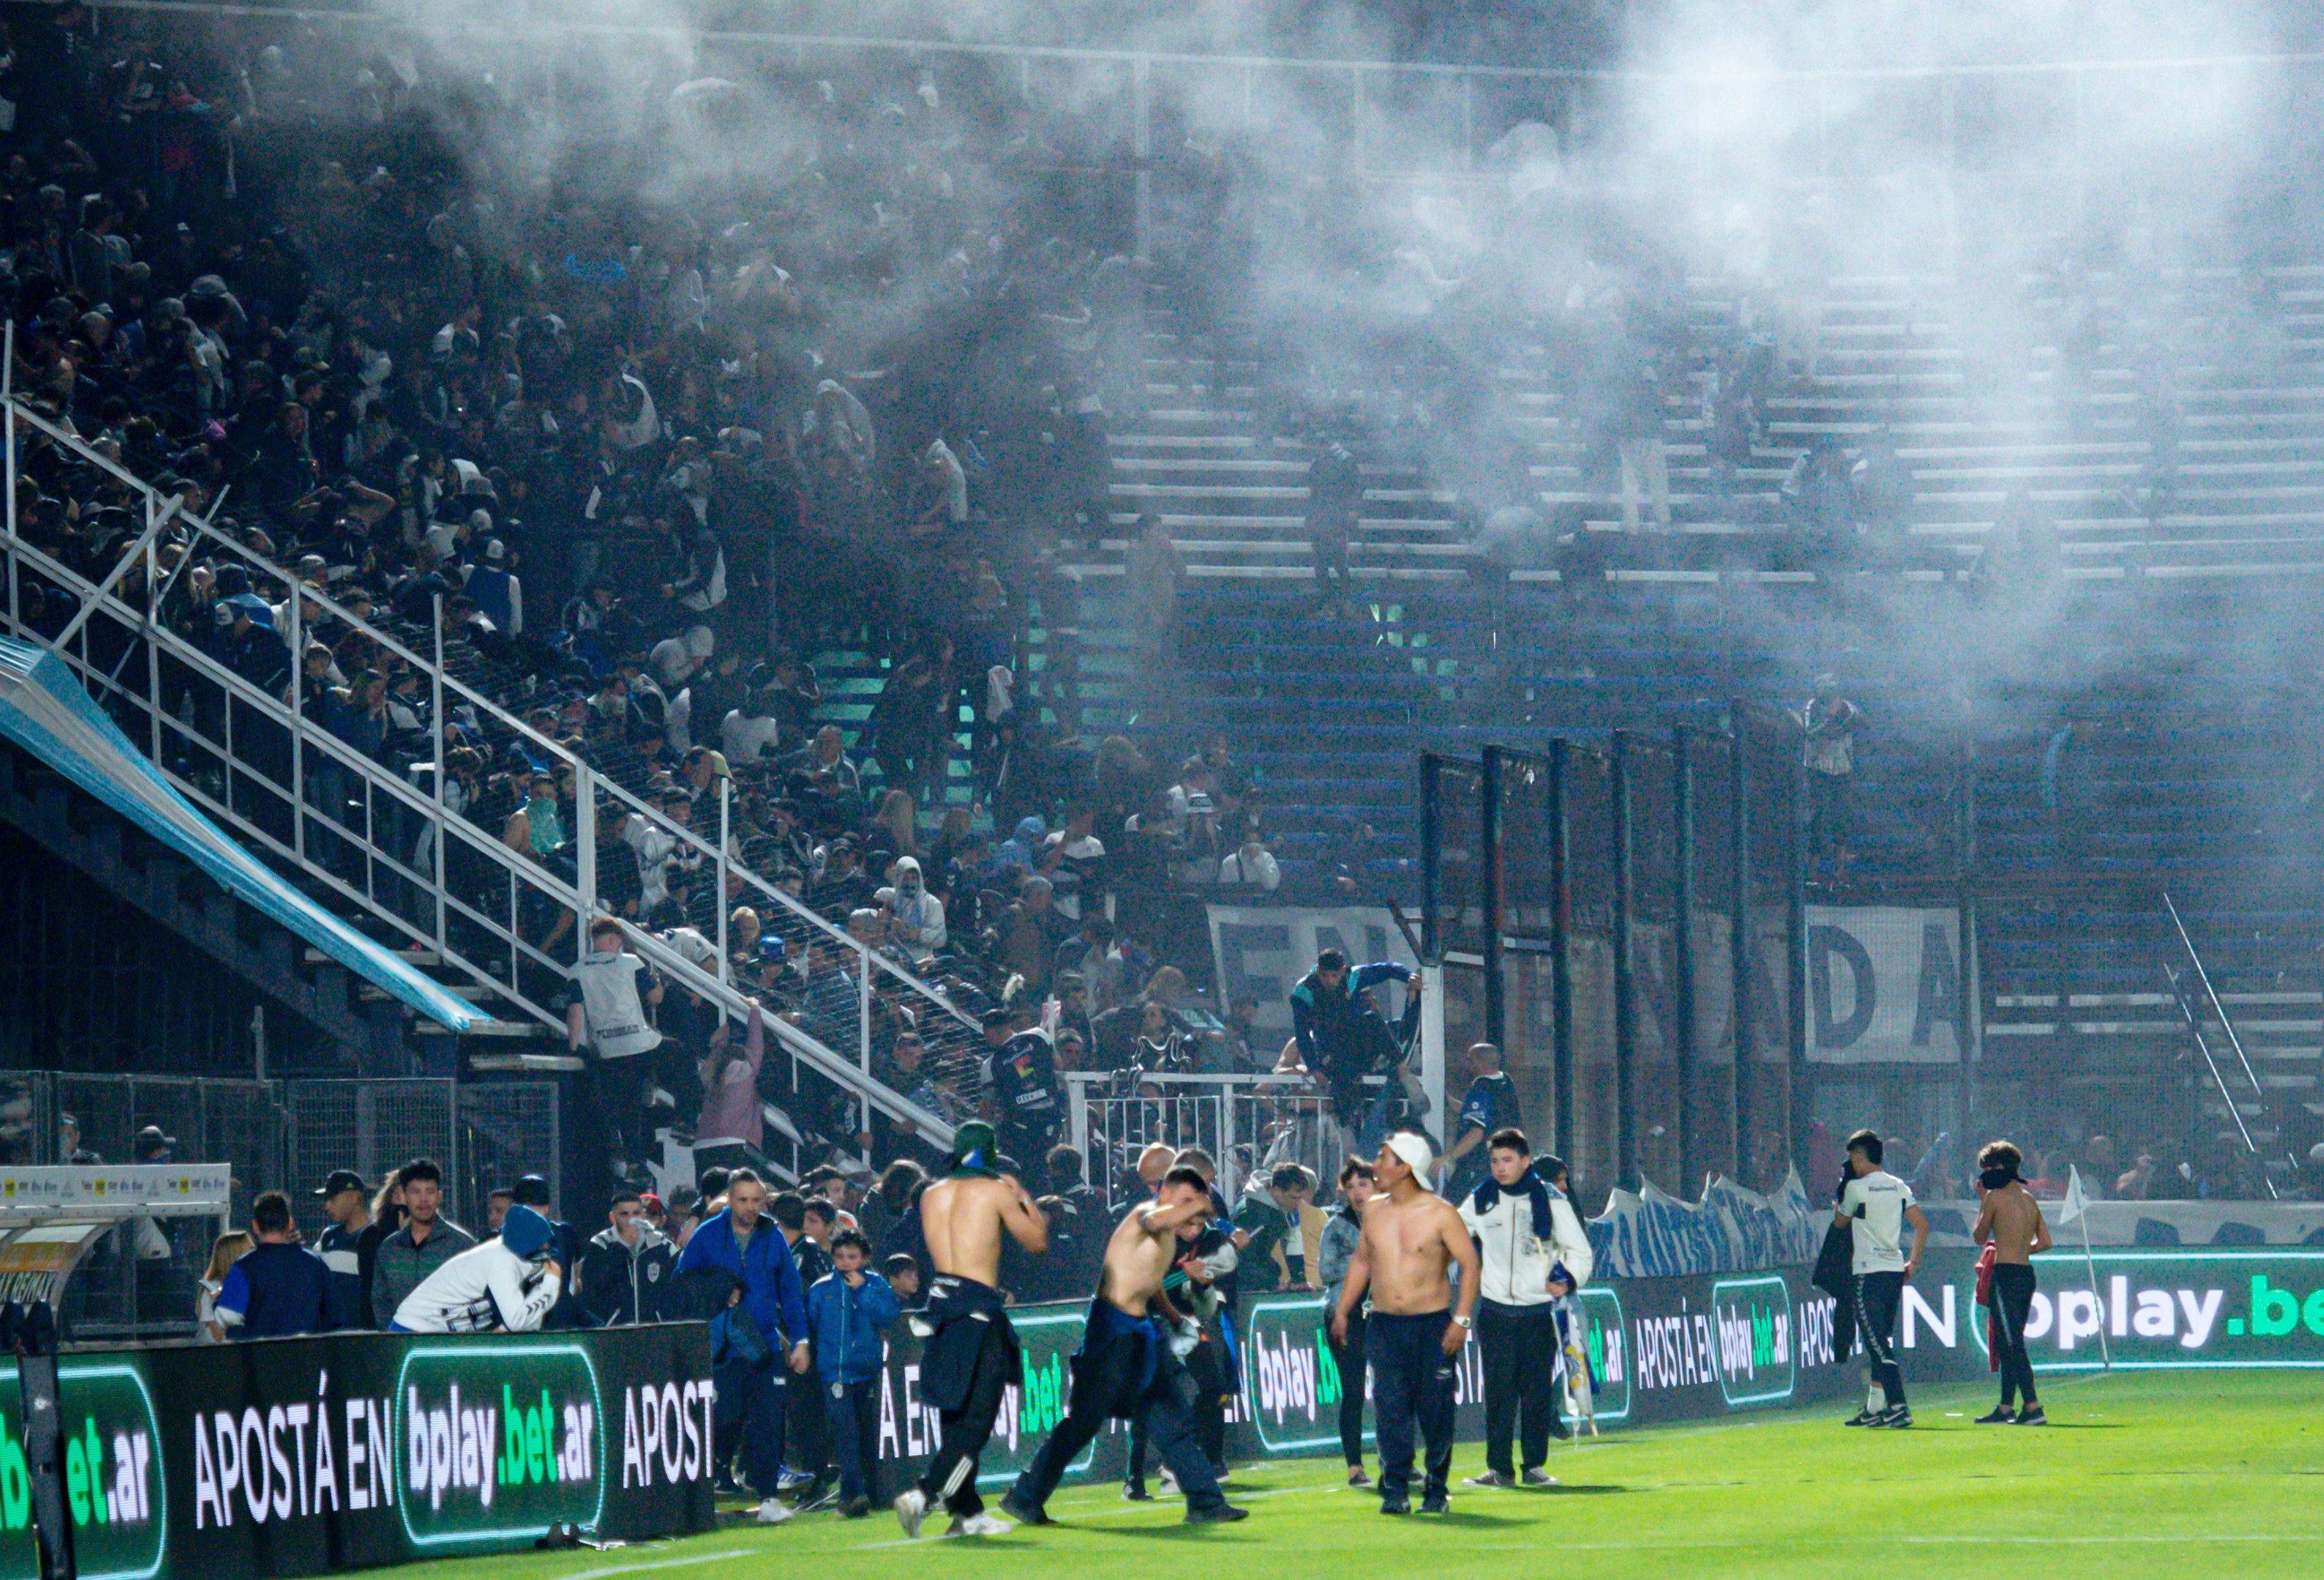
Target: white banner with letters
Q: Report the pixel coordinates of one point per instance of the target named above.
(1885, 986)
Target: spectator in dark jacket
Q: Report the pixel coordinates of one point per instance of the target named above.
(426, 1242)
(628, 1273)
(280, 1289)
(743, 1242)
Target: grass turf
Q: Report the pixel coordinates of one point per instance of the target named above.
(2177, 1474)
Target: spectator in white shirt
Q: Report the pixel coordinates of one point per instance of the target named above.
(1251, 863)
(916, 917)
(750, 731)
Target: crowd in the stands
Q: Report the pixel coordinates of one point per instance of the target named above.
(635, 463)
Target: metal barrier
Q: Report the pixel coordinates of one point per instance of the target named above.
(1245, 1122)
(373, 842)
(275, 1135)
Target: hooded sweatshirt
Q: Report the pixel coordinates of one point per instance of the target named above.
(502, 1286)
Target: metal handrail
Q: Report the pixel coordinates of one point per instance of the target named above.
(2189, 1011)
(305, 737)
(540, 745)
(2218, 1008)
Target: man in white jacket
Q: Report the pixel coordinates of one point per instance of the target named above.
(1533, 1253)
(505, 1285)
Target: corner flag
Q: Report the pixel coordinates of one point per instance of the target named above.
(2071, 1207)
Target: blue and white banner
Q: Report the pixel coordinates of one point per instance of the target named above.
(1732, 1229)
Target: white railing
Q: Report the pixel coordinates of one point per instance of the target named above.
(1245, 1122)
(388, 886)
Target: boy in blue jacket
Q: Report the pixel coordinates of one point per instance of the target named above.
(845, 1311)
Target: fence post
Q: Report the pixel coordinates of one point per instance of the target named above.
(1740, 936)
(1561, 949)
(1489, 895)
(1795, 949)
(1682, 1005)
(443, 874)
(1431, 855)
(298, 726)
(1966, 944)
(8, 397)
(1626, 1029)
(585, 852)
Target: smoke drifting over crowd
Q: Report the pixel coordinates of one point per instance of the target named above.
(1396, 254)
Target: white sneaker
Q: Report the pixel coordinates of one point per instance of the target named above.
(911, 1508)
(1539, 1477)
(981, 1525)
(1167, 1486)
(774, 1511)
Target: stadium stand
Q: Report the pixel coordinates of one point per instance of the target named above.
(1028, 549)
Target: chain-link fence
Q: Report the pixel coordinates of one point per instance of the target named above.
(276, 1135)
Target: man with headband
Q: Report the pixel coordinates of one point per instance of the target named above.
(971, 1355)
(1125, 1368)
(1411, 1237)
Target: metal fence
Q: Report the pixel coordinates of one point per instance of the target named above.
(276, 1135)
(1245, 1122)
(1587, 900)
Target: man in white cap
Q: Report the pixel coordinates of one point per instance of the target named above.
(1411, 1238)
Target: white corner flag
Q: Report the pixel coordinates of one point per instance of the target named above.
(2074, 1208)
(2071, 1207)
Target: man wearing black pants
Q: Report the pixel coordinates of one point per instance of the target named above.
(1535, 1254)
(1876, 1206)
(1125, 1368)
(1411, 1237)
(1333, 1252)
(2010, 1220)
(971, 1354)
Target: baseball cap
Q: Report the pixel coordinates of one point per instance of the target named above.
(531, 1191)
(1413, 1149)
(342, 1180)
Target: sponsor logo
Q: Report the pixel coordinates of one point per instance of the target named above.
(1754, 1345)
(665, 1434)
(2163, 1310)
(1610, 1353)
(496, 1442)
(113, 1486)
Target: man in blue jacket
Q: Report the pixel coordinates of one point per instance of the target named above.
(846, 1309)
(746, 1242)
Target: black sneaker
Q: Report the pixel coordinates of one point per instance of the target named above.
(2001, 1414)
(1436, 1503)
(2030, 1417)
(1901, 1416)
(1216, 1514)
(1025, 1513)
(1134, 1491)
(1863, 1417)
(1399, 1504)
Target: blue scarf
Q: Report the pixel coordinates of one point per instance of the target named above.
(1531, 1186)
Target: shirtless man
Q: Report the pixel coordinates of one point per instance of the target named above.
(1411, 1236)
(971, 1354)
(2011, 1221)
(1125, 1365)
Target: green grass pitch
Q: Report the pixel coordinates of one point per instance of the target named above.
(2158, 1475)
